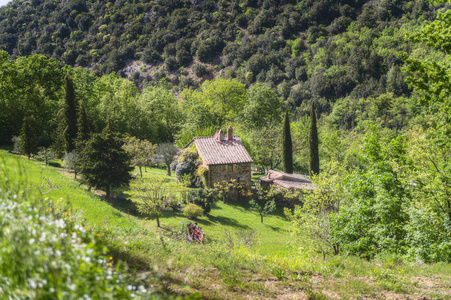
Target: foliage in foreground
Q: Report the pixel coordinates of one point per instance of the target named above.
(46, 255)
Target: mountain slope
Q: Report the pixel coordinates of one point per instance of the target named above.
(307, 49)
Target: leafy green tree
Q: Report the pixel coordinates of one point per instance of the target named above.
(217, 102)
(311, 224)
(263, 203)
(160, 105)
(140, 151)
(262, 107)
(104, 163)
(70, 161)
(153, 194)
(373, 218)
(287, 154)
(28, 143)
(168, 151)
(313, 143)
(266, 146)
(70, 114)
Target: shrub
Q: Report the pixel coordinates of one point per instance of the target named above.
(203, 198)
(187, 163)
(192, 211)
(54, 164)
(199, 70)
(174, 165)
(202, 173)
(16, 144)
(185, 168)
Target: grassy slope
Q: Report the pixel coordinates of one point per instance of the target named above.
(91, 207)
(219, 272)
(272, 234)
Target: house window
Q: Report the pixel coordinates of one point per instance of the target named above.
(230, 168)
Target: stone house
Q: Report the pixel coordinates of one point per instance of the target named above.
(224, 157)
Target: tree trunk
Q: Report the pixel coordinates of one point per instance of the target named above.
(261, 219)
(140, 171)
(107, 192)
(168, 167)
(75, 173)
(158, 220)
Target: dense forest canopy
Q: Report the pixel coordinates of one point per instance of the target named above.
(305, 50)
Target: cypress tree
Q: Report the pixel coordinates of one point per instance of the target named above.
(287, 154)
(28, 142)
(70, 114)
(83, 127)
(313, 143)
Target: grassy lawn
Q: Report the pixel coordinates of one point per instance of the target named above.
(235, 216)
(35, 174)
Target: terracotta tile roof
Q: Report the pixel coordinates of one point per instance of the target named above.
(214, 152)
(288, 181)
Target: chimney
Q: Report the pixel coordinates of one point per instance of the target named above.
(220, 135)
(229, 133)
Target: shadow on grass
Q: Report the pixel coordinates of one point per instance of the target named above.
(243, 206)
(277, 229)
(226, 221)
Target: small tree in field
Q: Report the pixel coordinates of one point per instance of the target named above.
(224, 187)
(311, 224)
(70, 160)
(263, 203)
(153, 196)
(168, 151)
(140, 151)
(103, 162)
(47, 153)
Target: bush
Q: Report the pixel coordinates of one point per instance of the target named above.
(203, 198)
(187, 163)
(192, 211)
(173, 165)
(16, 144)
(185, 168)
(200, 70)
(54, 164)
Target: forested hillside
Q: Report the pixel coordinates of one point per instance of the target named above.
(322, 50)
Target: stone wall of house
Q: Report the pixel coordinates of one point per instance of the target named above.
(241, 172)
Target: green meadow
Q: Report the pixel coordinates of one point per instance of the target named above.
(233, 215)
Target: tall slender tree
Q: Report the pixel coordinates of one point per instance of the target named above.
(287, 145)
(313, 143)
(28, 142)
(70, 114)
(83, 126)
